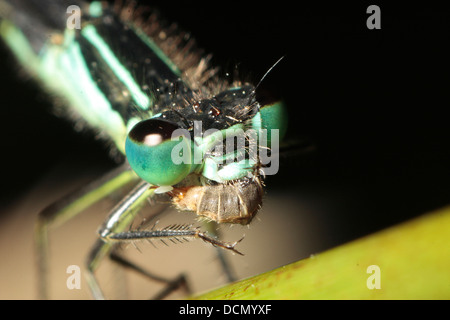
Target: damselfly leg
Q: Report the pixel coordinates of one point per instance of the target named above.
(114, 231)
(68, 207)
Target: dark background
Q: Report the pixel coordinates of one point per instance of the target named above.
(373, 103)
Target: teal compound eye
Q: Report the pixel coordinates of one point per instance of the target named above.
(155, 156)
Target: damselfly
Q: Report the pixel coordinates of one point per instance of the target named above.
(135, 82)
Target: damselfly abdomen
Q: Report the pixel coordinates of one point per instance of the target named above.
(146, 90)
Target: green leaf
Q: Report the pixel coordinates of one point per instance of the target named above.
(413, 260)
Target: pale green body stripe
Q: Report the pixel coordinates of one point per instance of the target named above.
(92, 103)
(62, 70)
(96, 9)
(20, 45)
(142, 100)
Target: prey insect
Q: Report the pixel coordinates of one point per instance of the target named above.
(148, 92)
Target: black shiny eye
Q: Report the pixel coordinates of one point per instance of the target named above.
(152, 132)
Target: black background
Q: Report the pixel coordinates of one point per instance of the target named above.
(373, 102)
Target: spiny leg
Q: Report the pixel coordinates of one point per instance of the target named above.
(68, 207)
(180, 282)
(120, 217)
(173, 233)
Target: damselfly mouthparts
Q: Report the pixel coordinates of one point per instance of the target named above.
(136, 83)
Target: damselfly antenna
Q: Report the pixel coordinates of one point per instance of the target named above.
(268, 71)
